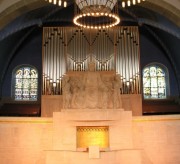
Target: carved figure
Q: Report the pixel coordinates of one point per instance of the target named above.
(116, 88)
(104, 89)
(107, 94)
(92, 81)
(77, 92)
(66, 93)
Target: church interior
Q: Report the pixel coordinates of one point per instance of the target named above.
(89, 81)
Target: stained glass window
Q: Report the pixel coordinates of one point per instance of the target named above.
(154, 82)
(26, 83)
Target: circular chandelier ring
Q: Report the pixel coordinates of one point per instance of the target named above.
(109, 15)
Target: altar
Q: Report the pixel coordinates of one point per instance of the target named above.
(110, 137)
(91, 124)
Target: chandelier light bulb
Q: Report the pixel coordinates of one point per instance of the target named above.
(55, 2)
(60, 2)
(134, 2)
(65, 4)
(123, 4)
(128, 3)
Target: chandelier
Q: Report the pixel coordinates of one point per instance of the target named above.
(58, 2)
(96, 14)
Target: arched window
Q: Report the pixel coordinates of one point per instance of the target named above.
(25, 83)
(154, 82)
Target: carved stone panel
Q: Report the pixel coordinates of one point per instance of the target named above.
(91, 90)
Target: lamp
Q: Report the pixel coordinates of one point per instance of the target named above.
(96, 14)
(58, 2)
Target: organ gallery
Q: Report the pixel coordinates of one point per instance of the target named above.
(79, 79)
(70, 49)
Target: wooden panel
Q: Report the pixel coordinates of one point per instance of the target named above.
(20, 110)
(151, 107)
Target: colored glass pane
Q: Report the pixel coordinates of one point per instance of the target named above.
(154, 82)
(26, 84)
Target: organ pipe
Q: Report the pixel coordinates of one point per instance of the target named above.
(71, 49)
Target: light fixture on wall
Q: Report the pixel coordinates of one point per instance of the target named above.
(96, 14)
(58, 2)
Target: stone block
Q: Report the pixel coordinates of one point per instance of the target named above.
(94, 152)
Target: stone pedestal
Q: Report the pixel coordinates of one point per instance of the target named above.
(89, 124)
(110, 157)
(120, 149)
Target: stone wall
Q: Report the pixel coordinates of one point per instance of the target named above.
(155, 140)
(50, 104)
(23, 140)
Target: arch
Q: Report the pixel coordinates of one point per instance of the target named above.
(25, 83)
(12, 10)
(155, 78)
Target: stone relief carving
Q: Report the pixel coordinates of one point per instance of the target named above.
(66, 92)
(116, 91)
(77, 92)
(91, 90)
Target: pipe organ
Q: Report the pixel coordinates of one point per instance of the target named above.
(72, 48)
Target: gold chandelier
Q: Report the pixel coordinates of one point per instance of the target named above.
(96, 14)
(99, 14)
(58, 2)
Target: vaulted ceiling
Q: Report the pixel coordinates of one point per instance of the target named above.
(160, 19)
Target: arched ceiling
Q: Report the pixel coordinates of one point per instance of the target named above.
(19, 18)
(9, 9)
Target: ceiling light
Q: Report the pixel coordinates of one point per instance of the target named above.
(96, 14)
